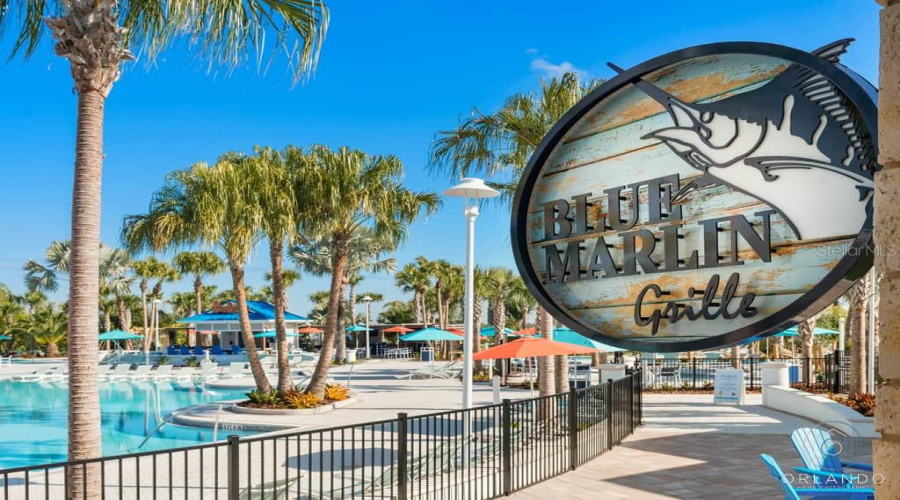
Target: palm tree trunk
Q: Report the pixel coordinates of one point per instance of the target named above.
(546, 365)
(144, 309)
(338, 264)
(858, 324)
(198, 294)
(120, 312)
(276, 255)
(562, 374)
(341, 333)
(440, 304)
(84, 298)
(805, 334)
(240, 296)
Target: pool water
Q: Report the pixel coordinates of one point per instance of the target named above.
(33, 418)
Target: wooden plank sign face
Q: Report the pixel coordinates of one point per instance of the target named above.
(707, 197)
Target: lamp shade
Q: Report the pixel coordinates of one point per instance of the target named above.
(471, 187)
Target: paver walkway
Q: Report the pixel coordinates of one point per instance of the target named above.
(688, 448)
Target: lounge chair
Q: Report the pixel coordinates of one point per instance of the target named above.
(120, 371)
(198, 351)
(185, 351)
(172, 351)
(235, 349)
(207, 370)
(38, 375)
(216, 350)
(792, 493)
(142, 372)
(820, 456)
(271, 490)
(448, 370)
(162, 372)
(235, 370)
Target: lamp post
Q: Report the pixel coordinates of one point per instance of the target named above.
(368, 301)
(156, 333)
(471, 190)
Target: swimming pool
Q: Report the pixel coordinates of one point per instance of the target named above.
(33, 418)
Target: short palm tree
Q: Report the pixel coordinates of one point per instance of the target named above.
(500, 143)
(165, 274)
(355, 190)
(413, 278)
(145, 270)
(199, 265)
(96, 37)
(208, 205)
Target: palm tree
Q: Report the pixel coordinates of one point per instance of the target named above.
(165, 274)
(288, 277)
(49, 328)
(145, 270)
(208, 205)
(279, 207)
(96, 38)
(397, 312)
(365, 253)
(500, 143)
(355, 190)
(413, 278)
(199, 265)
(502, 290)
(183, 303)
(859, 297)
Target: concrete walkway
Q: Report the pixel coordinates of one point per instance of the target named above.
(688, 448)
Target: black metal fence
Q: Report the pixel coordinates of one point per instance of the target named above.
(700, 373)
(480, 453)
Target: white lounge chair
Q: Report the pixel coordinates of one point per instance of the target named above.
(207, 370)
(448, 370)
(235, 370)
(142, 372)
(38, 375)
(119, 372)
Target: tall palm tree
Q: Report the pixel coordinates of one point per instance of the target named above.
(96, 37)
(208, 205)
(356, 190)
(288, 277)
(365, 252)
(199, 265)
(397, 312)
(499, 144)
(859, 297)
(279, 208)
(502, 290)
(145, 270)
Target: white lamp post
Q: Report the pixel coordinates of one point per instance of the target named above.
(156, 334)
(471, 190)
(368, 301)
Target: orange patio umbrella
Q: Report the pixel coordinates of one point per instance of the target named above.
(397, 329)
(530, 347)
(310, 329)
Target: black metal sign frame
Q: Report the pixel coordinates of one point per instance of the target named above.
(850, 268)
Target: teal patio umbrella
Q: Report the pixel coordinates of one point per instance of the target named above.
(117, 335)
(354, 329)
(5, 337)
(431, 334)
(792, 332)
(489, 331)
(572, 337)
(271, 334)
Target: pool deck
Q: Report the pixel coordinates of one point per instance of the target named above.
(378, 392)
(689, 448)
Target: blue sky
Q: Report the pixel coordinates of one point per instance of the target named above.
(391, 74)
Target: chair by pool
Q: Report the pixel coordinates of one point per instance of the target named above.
(216, 350)
(120, 371)
(235, 370)
(792, 493)
(142, 372)
(39, 375)
(821, 458)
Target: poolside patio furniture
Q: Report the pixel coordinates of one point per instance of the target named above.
(198, 351)
(669, 374)
(142, 372)
(121, 370)
(792, 493)
(235, 370)
(216, 350)
(172, 351)
(235, 349)
(446, 371)
(40, 375)
(184, 351)
(821, 458)
(207, 370)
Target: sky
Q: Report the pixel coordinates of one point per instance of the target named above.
(390, 75)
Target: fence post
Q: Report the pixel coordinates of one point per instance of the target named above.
(836, 379)
(402, 422)
(609, 414)
(693, 373)
(631, 406)
(573, 428)
(752, 385)
(234, 467)
(506, 424)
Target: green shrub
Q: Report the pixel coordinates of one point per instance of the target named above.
(163, 360)
(192, 361)
(269, 399)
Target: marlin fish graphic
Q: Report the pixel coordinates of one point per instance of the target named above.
(795, 132)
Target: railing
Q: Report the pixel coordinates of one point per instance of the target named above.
(700, 373)
(480, 453)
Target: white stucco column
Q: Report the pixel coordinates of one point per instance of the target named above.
(774, 374)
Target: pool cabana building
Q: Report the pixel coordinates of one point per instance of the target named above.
(223, 318)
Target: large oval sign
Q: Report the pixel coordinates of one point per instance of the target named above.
(707, 197)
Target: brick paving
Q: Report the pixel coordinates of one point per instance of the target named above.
(687, 450)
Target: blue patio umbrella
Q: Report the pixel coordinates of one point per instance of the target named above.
(5, 337)
(572, 337)
(431, 334)
(118, 335)
(792, 332)
(357, 328)
(489, 331)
